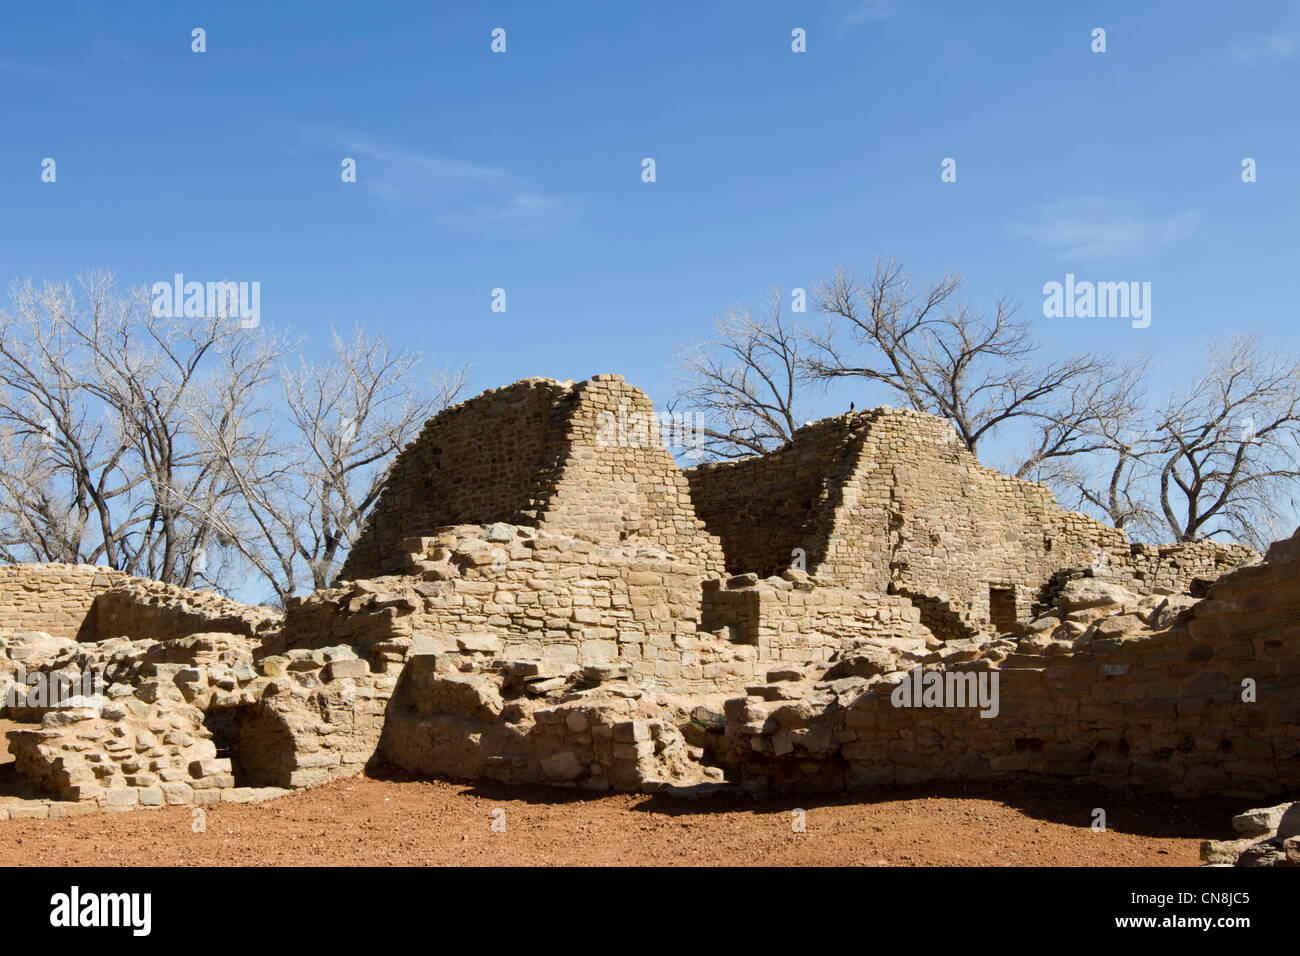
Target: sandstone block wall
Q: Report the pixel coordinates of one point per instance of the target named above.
(535, 599)
(54, 598)
(574, 459)
(491, 458)
(1172, 567)
(617, 482)
(1121, 706)
(162, 612)
(132, 752)
(890, 500)
(542, 597)
(764, 507)
(90, 603)
(199, 720)
(790, 619)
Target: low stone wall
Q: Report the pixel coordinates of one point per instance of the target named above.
(1120, 704)
(86, 602)
(1171, 568)
(127, 752)
(790, 618)
(54, 598)
(164, 612)
(500, 723)
(561, 601)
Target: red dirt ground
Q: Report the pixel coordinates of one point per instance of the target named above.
(394, 821)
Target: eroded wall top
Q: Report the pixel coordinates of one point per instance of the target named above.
(892, 499)
(579, 459)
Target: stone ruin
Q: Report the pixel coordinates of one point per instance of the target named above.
(1268, 836)
(541, 595)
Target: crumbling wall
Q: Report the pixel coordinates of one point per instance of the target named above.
(54, 598)
(453, 718)
(164, 612)
(90, 603)
(793, 619)
(1171, 568)
(127, 752)
(564, 601)
(891, 500)
(491, 458)
(201, 719)
(581, 459)
(1205, 701)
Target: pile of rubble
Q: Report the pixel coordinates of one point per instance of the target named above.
(1269, 837)
(193, 720)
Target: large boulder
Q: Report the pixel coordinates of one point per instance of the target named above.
(1084, 594)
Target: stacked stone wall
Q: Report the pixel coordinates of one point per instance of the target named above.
(476, 723)
(891, 500)
(491, 458)
(564, 601)
(792, 620)
(617, 481)
(581, 460)
(1208, 705)
(54, 598)
(91, 603)
(766, 507)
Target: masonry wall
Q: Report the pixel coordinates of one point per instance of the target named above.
(764, 507)
(562, 601)
(89, 603)
(891, 500)
(1173, 567)
(949, 527)
(54, 598)
(799, 623)
(491, 458)
(1157, 711)
(457, 724)
(141, 608)
(577, 459)
(617, 482)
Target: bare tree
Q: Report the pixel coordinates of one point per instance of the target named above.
(96, 401)
(162, 376)
(743, 385)
(164, 446)
(1094, 449)
(1226, 447)
(35, 520)
(67, 485)
(978, 369)
(306, 486)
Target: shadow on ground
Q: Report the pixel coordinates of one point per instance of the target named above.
(1139, 814)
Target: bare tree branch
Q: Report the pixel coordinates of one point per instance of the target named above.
(743, 385)
(980, 370)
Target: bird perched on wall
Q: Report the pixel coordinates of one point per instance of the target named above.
(851, 406)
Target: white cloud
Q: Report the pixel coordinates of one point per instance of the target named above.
(460, 191)
(1099, 229)
(864, 12)
(35, 71)
(1276, 48)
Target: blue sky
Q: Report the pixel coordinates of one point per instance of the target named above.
(523, 170)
